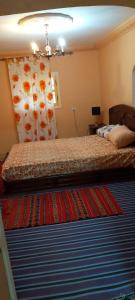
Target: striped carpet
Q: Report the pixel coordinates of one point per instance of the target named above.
(90, 259)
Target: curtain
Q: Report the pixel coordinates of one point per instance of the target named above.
(32, 99)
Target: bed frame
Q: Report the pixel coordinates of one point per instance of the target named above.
(119, 114)
(122, 114)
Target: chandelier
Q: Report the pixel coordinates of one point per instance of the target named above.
(48, 20)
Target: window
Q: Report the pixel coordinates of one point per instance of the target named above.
(56, 89)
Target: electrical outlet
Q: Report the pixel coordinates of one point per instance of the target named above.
(73, 108)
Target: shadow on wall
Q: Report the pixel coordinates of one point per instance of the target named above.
(119, 88)
(133, 87)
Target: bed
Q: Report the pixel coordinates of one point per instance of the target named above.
(80, 160)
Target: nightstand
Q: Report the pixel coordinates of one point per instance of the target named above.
(93, 127)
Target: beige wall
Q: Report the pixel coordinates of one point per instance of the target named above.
(80, 77)
(7, 287)
(4, 293)
(8, 135)
(79, 88)
(117, 60)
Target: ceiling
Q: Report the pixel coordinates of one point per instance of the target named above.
(90, 26)
(9, 7)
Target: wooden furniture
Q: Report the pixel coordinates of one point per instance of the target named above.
(92, 128)
(122, 114)
(7, 288)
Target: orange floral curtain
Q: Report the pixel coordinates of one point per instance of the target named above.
(32, 99)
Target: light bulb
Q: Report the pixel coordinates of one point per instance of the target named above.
(34, 47)
(48, 49)
(62, 42)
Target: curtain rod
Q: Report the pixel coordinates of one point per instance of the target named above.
(15, 57)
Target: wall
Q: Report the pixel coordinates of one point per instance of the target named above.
(4, 293)
(117, 60)
(7, 287)
(79, 87)
(8, 135)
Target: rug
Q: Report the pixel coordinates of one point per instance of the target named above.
(58, 207)
(128, 297)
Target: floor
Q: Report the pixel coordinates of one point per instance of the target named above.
(87, 259)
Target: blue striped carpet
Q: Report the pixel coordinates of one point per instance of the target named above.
(89, 259)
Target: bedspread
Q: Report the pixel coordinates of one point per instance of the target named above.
(64, 156)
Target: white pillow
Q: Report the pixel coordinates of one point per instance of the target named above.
(105, 130)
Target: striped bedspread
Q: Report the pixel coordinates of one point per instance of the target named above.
(87, 260)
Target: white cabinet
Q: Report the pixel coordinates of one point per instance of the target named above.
(7, 288)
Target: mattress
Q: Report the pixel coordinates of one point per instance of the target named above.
(64, 156)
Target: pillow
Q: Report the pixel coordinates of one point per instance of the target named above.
(121, 136)
(104, 131)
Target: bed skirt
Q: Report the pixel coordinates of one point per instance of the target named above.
(75, 179)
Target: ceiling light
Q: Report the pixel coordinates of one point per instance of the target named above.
(62, 42)
(34, 47)
(48, 21)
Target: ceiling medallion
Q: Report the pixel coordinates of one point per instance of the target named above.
(49, 21)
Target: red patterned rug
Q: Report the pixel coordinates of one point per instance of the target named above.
(58, 207)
